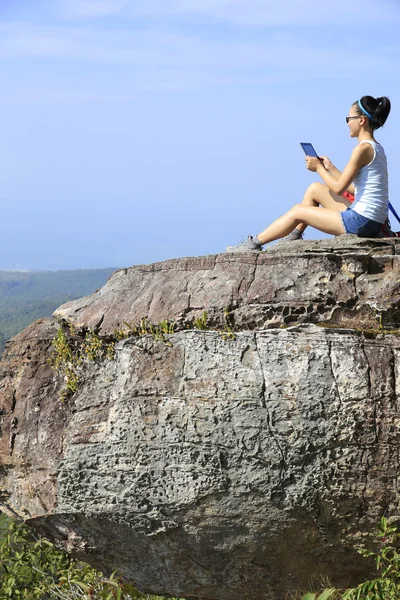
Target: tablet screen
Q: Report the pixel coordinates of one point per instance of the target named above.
(308, 149)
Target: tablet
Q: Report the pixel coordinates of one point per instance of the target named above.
(308, 149)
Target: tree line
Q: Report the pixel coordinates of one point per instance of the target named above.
(28, 296)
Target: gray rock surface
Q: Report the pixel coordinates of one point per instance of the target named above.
(211, 468)
(347, 280)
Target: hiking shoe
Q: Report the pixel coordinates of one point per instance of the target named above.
(246, 246)
(288, 238)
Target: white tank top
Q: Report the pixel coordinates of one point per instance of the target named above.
(372, 187)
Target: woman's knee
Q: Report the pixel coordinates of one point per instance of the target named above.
(314, 189)
(296, 210)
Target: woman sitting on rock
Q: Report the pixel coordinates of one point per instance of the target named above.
(365, 176)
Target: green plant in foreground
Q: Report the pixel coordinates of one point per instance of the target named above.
(387, 562)
(31, 568)
(328, 593)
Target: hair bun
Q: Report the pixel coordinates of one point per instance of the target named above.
(376, 109)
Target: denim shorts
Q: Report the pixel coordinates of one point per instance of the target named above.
(361, 226)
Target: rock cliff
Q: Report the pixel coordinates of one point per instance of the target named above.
(206, 464)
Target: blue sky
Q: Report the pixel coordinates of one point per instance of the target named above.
(139, 131)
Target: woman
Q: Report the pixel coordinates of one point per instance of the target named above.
(365, 176)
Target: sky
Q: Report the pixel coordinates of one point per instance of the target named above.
(135, 132)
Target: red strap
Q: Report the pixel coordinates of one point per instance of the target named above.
(348, 196)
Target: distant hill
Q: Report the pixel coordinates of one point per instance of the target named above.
(29, 295)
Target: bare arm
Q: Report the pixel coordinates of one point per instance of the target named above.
(361, 156)
(335, 172)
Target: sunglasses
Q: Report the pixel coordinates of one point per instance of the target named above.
(349, 118)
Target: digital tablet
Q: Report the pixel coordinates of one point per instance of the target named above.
(308, 149)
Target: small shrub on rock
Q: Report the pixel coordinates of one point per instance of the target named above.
(387, 561)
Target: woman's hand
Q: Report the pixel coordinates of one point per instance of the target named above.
(328, 165)
(312, 163)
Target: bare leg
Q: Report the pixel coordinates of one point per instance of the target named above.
(318, 194)
(325, 219)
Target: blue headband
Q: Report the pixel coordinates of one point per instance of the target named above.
(364, 111)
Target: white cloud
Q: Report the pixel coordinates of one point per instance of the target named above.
(158, 60)
(165, 50)
(155, 58)
(242, 12)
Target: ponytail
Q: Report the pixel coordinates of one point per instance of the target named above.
(375, 109)
(382, 111)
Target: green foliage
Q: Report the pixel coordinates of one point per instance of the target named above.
(167, 327)
(328, 593)
(65, 361)
(201, 322)
(94, 348)
(227, 333)
(71, 351)
(158, 332)
(31, 568)
(28, 567)
(387, 562)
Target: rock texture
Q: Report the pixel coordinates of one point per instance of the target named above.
(212, 468)
(348, 280)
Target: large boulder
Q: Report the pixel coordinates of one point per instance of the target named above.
(210, 465)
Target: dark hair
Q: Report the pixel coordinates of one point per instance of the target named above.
(378, 108)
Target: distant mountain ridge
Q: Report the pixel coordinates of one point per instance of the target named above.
(29, 295)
